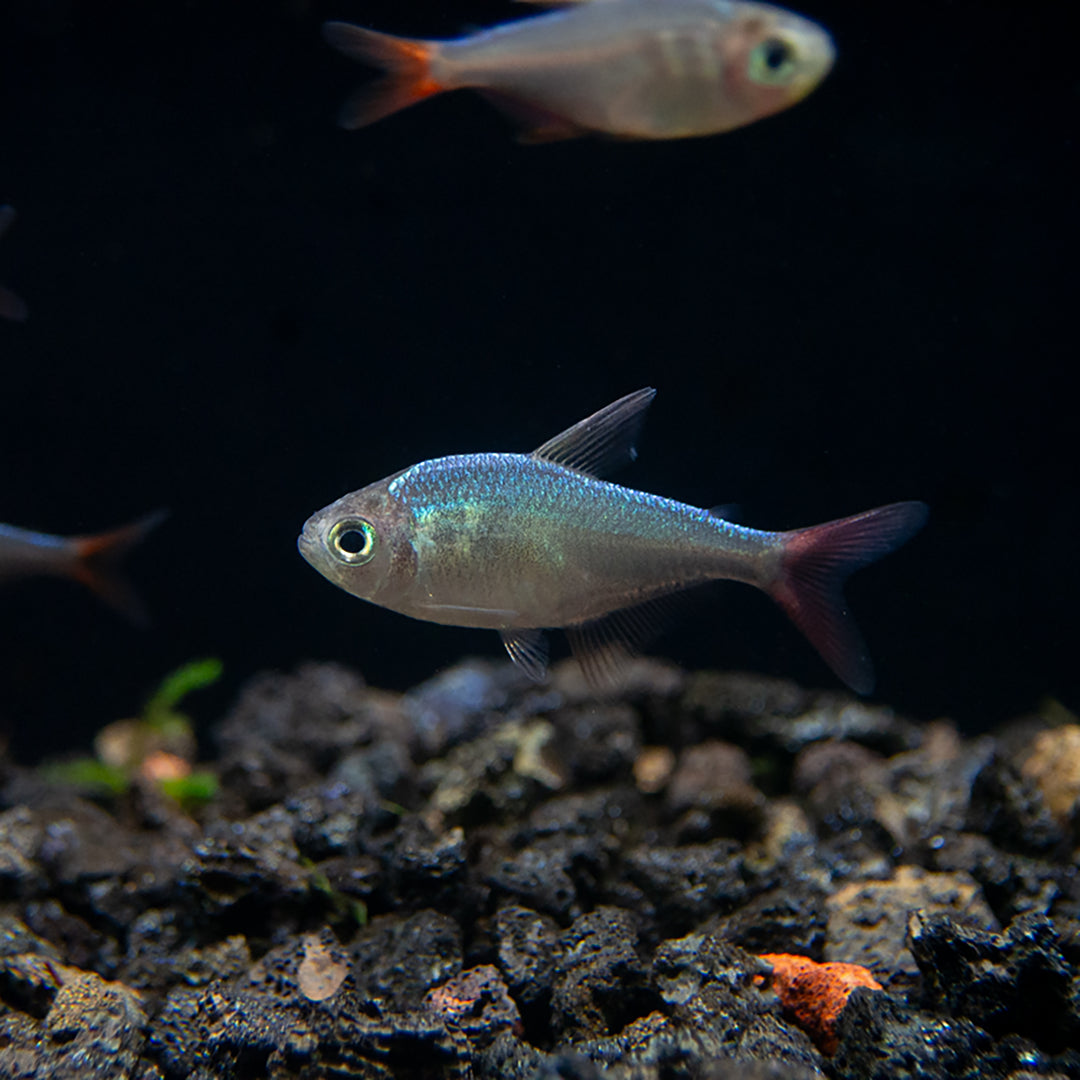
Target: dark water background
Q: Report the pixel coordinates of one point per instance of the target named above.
(240, 312)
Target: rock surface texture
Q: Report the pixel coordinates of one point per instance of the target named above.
(701, 875)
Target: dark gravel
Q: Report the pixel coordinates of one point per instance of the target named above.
(484, 878)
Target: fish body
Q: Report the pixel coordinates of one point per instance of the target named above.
(11, 306)
(644, 69)
(92, 560)
(558, 547)
(524, 542)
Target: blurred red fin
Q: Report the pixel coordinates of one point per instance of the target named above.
(98, 560)
(814, 566)
(407, 62)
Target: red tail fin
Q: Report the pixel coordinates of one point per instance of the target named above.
(97, 564)
(407, 62)
(814, 565)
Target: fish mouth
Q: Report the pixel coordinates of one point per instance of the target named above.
(307, 542)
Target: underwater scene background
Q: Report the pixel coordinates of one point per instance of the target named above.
(239, 312)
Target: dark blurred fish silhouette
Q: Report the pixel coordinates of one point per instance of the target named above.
(11, 306)
(525, 542)
(93, 560)
(639, 69)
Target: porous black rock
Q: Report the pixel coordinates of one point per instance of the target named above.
(881, 1038)
(492, 879)
(1016, 982)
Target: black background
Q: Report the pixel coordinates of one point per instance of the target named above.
(240, 312)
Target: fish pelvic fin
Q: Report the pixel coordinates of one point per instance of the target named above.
(406, 61)
(528, 649)
(815, 563)
(97, 564)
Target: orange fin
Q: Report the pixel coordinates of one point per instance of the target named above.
(407, 62)
(97, 564)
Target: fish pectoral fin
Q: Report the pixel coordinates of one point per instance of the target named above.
(529, 651)
(604, 441)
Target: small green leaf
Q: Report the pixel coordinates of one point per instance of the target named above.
(177, 685)
(194, 789)
(88, 774)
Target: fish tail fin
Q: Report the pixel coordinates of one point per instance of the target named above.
(97, 564)
(406, 61)
(815, 563)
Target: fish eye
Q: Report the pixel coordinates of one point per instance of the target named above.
(772, 62)
(352, 541)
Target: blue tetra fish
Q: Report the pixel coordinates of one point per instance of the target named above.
(93, 560)
(635, 69)
(522, 543)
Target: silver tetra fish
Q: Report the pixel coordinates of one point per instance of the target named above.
(526, 542)
(91, 560)
(638, 69)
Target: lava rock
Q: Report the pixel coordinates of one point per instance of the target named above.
(1009, 809)
(476, 1002)
(882, 1039)
(600, 983)
(686, 885)
(712, 794)
(1016, 982)
(868, 921)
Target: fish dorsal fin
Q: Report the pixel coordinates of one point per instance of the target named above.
(529, 651)
(604, 441)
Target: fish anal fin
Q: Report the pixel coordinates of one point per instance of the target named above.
(407, 62)
(604, 441)
(536, 125)
(97, 564)
(603, 647)
(528, 649)
(813, 567)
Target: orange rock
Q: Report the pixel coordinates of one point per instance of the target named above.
(814, 995)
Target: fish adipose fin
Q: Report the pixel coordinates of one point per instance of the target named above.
(529, 651)
(98, 559)
(407, 62)
(603, 442)
(814, 564)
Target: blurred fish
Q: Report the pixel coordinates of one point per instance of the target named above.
(640, 69)
(525, 542)
(92, 560)
(11, 307)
